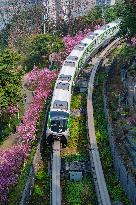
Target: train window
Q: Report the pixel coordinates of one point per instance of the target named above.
(82, 44)
(96, 34)
(58, 114)
(63, 86)
(104, 27)
(80, 48)
(65, 77)
(74, 58)
(60, 104)
(107, 26)
(69, 63)
(59, 121)
(91, 36)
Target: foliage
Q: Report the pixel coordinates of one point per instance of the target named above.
(16, 189)
(128, 18)
(78, 101)
(41, 192)
(38, 191)
(42, 80)
(42, 183)
(11, 161)
(4, 33)
(78, 193)
(10, 89)
(78, 134)
(38, 48)
(10, 78)
(77, 140)
(95, 15)
(127, 53)
(13, 158)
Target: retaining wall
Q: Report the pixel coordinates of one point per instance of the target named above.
(126, 179)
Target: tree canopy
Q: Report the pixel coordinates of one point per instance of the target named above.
(10, 78)
(127, 14)
(39, 47)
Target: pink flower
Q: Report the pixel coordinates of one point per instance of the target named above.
(133, 40)
(12, 110)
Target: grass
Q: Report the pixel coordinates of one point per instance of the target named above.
(77, 141)
(16, 191)
(77, 193)
(78, 100)
(14, 121)
(41, 192)
(82, 192)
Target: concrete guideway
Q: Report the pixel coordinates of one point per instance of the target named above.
(56, 166)
(100, 184)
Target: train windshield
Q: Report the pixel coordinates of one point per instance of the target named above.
(59, 121)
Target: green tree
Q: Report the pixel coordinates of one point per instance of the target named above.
(10, 78)
(10, 89)
(127, 15)
(93, 15)
(39, 47)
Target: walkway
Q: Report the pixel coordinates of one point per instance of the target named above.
(11, 140)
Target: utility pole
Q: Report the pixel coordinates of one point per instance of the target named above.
(45, 16)
(103, 3)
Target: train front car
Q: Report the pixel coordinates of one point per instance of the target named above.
(58, 126)
(59, 115)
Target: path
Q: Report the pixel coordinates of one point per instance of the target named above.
(11, 140)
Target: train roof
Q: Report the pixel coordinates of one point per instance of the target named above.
(60, 100)
(67, 70)
(98, 32)
(112, 24)
(75, 53)
(87, 40)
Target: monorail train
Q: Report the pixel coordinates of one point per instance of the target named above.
(59, 114)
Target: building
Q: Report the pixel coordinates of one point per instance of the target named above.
(105, 2)
(67, 8)
(8, 7)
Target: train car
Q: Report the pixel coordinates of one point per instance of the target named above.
(59, 114)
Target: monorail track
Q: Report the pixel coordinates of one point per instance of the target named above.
(56, 166)
(99, 180)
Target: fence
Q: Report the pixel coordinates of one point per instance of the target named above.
(125, 178)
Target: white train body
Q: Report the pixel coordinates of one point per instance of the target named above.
(59, 114)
